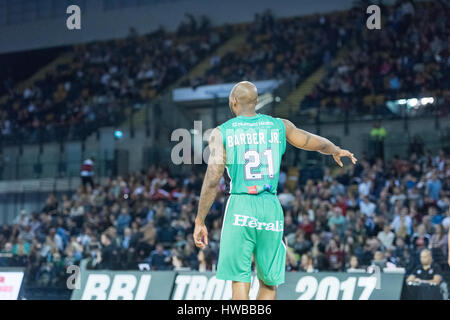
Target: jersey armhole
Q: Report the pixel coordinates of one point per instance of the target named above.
(284, 134)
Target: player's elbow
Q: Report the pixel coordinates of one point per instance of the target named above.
(212, 184)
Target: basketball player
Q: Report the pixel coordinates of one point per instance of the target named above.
(250, 146)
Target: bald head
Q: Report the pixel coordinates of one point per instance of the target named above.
(426, 257)
(243, 97)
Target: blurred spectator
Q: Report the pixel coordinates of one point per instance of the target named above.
(159, 259)
(353, 264)
(109, 257)
(439, 246)
(306, 264)
(335, 256)
(428, 271)
(378, 135)
(87, 172)
(337, 221)
(386, 237)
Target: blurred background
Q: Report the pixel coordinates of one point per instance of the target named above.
(86, 122)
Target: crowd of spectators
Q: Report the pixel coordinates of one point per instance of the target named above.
(104, 81)
(408, 58)
(350, 217)
(282, 48)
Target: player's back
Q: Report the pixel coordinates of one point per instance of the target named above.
(254, 148)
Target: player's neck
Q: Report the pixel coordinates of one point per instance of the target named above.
(247, 114)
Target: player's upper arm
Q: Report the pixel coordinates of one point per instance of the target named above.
(216, 160)
(216, 149)
(300, 138)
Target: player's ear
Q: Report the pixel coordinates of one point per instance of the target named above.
(236, 105)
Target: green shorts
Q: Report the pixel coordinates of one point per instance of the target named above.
(252, 224)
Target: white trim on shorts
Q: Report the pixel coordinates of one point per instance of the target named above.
(226, 206)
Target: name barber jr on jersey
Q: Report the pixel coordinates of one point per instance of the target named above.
(237, 139)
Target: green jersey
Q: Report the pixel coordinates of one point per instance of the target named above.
(254, 147)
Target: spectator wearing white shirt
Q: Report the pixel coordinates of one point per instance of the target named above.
(386, 237)
(398, 195)
(402, 219)
(22, 219)
(364, 187)
(366, 207)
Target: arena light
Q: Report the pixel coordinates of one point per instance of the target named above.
(413, 102)
(426, 100)
(118, 134)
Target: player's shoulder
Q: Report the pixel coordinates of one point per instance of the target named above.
(279, 122)
(228, 122)
(274, 119)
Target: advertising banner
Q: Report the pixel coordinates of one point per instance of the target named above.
(209, 92)
(164, 285)
(341, 286)
(124, 285)
(10, 283)
(298, 286)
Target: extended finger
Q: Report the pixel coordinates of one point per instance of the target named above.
(350, 155)
(338, 160)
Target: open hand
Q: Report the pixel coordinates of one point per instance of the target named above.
(343, 153)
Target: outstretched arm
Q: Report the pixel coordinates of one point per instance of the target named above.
(304, 140)
(216, 166)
